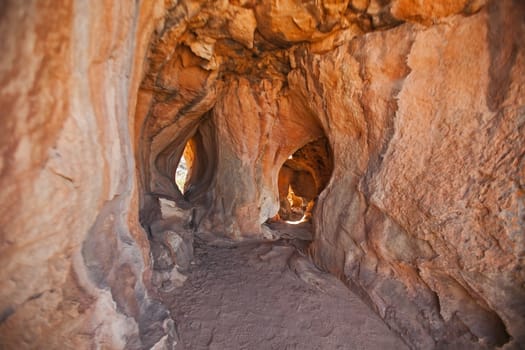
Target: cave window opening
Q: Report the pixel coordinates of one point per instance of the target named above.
(301, 208)
(301, 179)
(183, 172)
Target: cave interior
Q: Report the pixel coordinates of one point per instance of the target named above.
(383, 140)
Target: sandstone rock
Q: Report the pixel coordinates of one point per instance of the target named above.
(430, 166)
(355, 96)
(429, 12)
(74, 258)
(418, 183)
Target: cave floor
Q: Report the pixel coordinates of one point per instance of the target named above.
(262, 295)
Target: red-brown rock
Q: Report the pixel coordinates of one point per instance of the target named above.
(415, 111)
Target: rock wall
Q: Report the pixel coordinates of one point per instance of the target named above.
(424, 213)
(423, 107)
(75, 262)
(424, 115)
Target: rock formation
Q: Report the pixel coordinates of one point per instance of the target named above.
(416, 111)
(75, 260)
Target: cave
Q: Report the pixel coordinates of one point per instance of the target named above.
(195, 167)
(301, 179)
(262, 174)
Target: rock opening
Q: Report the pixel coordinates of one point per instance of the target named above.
(183, 171)
(302, 178)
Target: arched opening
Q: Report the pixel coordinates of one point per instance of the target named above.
(199, 156)
(184, 168)
(302, 177)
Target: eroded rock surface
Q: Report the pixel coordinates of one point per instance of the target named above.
(75, 262)
(422, 106)
(422, 215)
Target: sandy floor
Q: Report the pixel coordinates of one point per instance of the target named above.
(266, 296)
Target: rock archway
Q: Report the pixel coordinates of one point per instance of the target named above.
(302, 178)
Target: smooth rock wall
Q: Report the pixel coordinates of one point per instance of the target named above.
(74, 259)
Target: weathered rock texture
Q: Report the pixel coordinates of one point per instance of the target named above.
(75, 263)
(423, 215)
(422, 104)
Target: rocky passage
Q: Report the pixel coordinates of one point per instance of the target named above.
(397, 127)
(261, 295)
